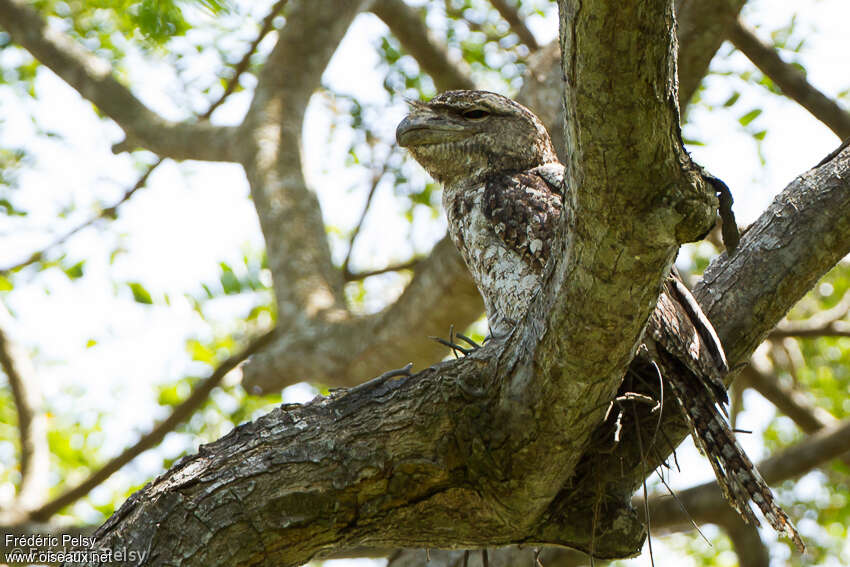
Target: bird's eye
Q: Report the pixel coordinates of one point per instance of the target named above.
(476, 114)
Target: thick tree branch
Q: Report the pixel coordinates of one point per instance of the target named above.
(799, 238)
(790, 79)
(703, 26)
(406, 25)
(32, 424)
(306, 283)
(93, 79)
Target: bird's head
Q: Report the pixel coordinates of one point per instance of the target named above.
(469, 135)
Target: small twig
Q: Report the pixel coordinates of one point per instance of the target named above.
(511, 15)
(376, 179)
(537, 562)
(467, 340)
(243, 63)
(179, 414)
(109, 211)
(408, 265)
(682, 506)
(403, 371)
(645, 491)
(456, 348)
(32, 422)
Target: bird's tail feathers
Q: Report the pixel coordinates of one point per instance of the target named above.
(738, 478)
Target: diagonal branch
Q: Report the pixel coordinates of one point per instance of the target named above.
(702, 28)
(32, 423)
(826, 323)
(510, 14)
(406, 25)
(790, 79)
(93, 79)
(242, 65)
(108, 212)
(178, 415)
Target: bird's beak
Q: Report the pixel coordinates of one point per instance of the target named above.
(422, 127)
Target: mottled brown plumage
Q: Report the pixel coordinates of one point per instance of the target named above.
(503, 197)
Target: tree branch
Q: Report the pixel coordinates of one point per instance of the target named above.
(357, 276)
(511, 15)
(746, 541)
(790, 402)
(178, 415)
(92, 78)
(307, 285)
(242, 65)
(32, 424)
(814, 211)
(703, 26)
(108, 212)
(406, 25)
(790, 79)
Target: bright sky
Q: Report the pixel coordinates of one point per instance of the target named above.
(194, 215)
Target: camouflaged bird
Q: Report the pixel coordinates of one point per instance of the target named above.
(502, 193)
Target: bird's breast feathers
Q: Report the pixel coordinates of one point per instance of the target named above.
(504, 227)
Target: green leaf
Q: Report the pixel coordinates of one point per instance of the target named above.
(732, 99)
(229, 282)
(760, 135)
(6, 284)
(750, 116)
(199, 351)
(140, 294)
(76, 271)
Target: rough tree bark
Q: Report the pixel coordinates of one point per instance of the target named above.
(426, 461)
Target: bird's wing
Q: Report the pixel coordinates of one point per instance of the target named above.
(523, 211)
(679, 326)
